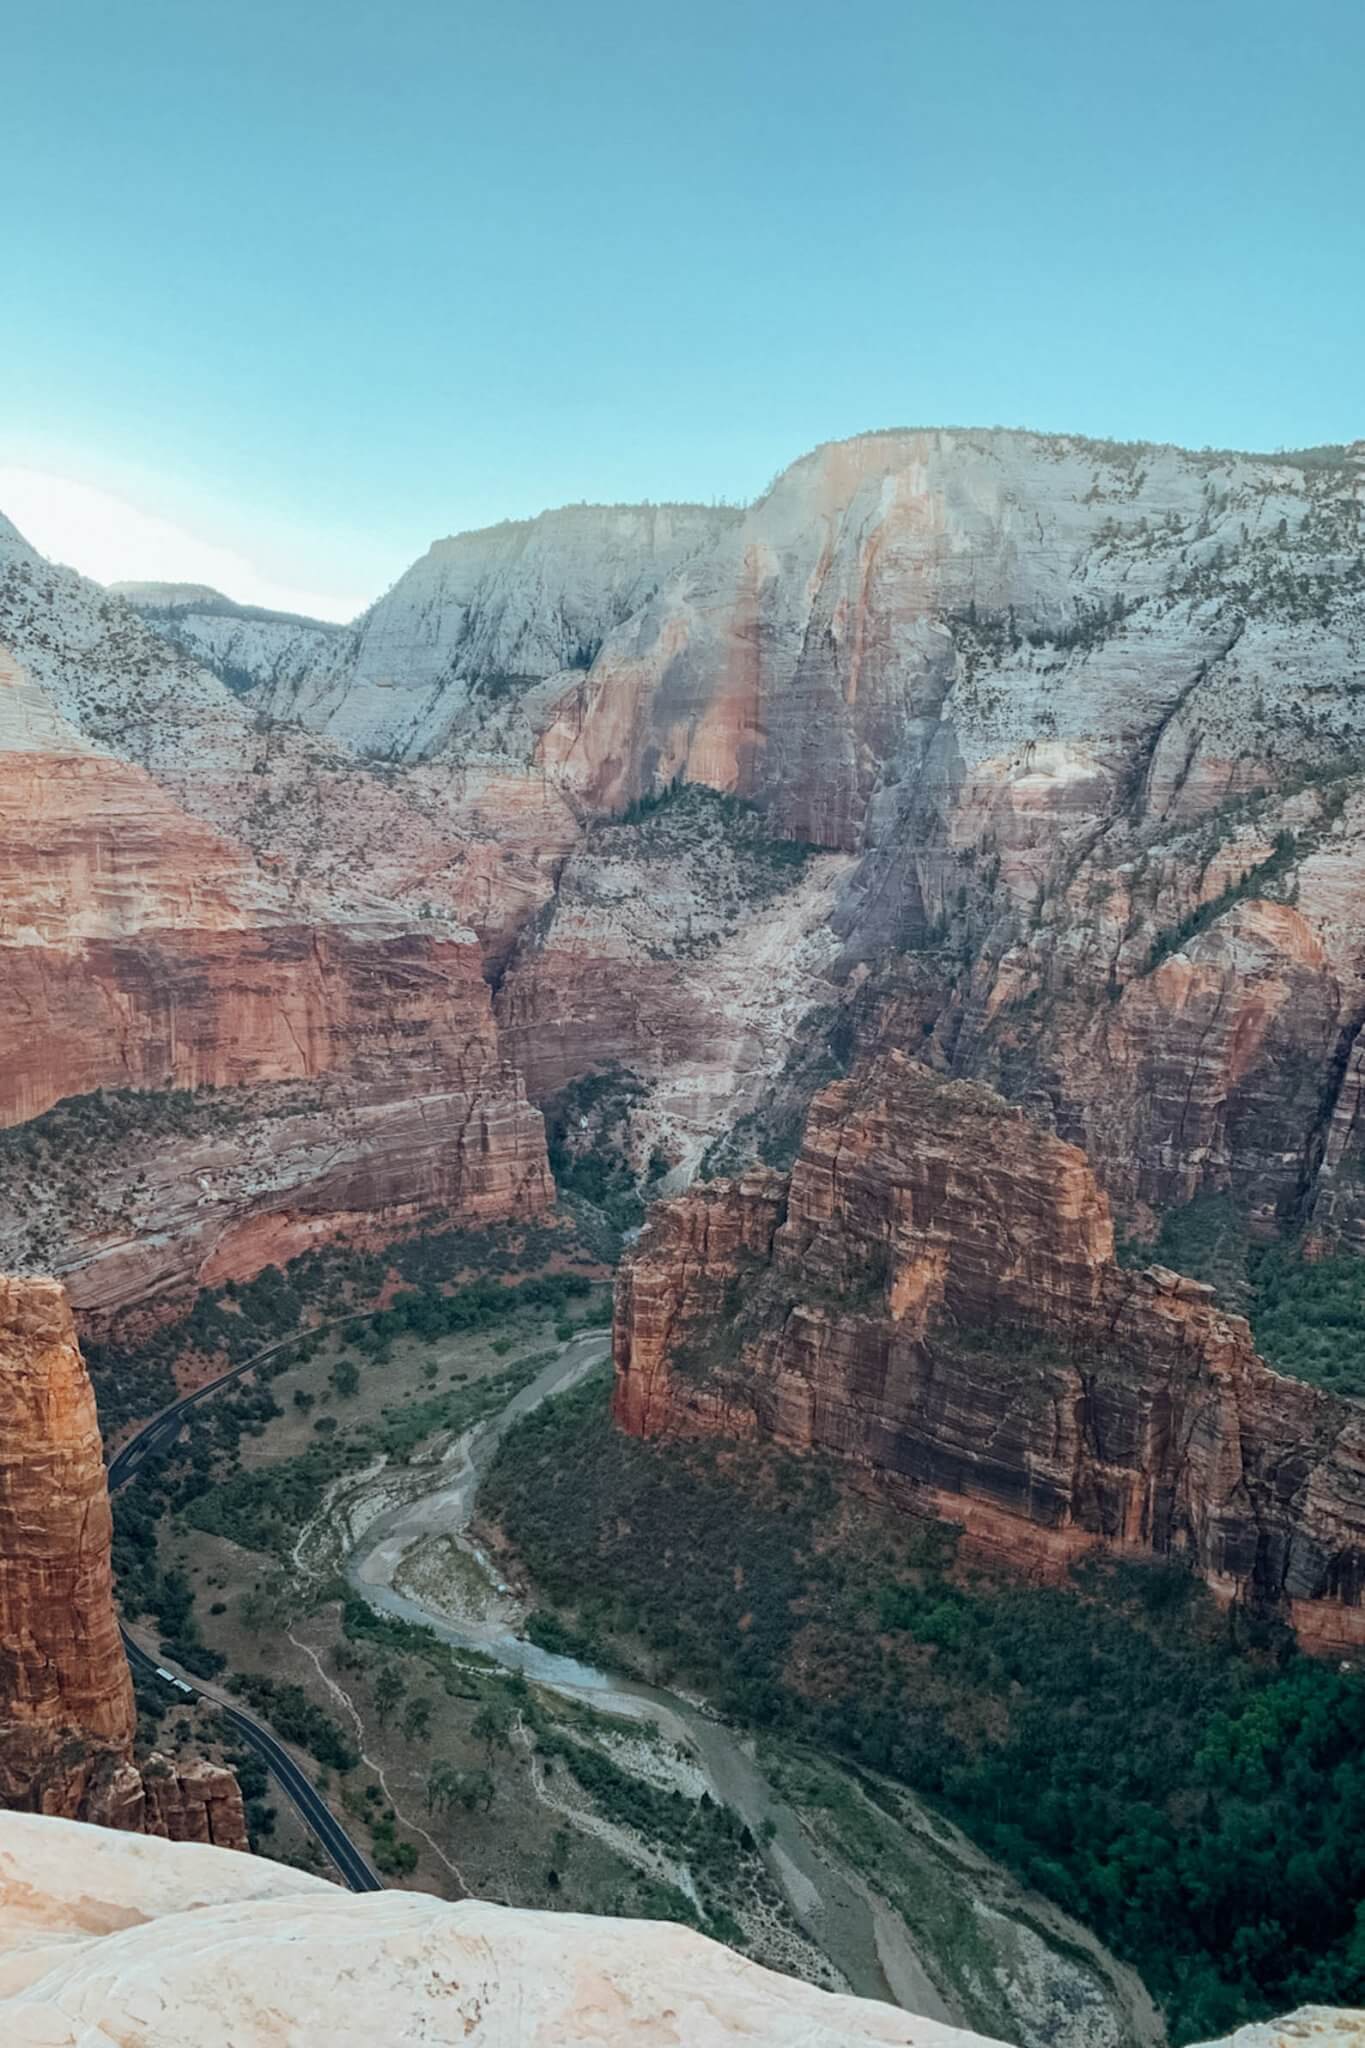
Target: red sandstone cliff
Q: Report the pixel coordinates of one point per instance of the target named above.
(932, 1295)
(67, 1717)
(360, 1082)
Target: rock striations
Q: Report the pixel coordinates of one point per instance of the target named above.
(1068, 738)
(932, 1296)
(245, 646)
(333, 1058)
(484, 616)
(67, 1718)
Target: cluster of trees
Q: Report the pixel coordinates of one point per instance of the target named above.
(295, 1718)
(586, 1136)
(233, 1322)
(1181, 1780)
(1307, 1315)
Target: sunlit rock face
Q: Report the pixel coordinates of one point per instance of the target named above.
(245, 646)
(105, 1938)
(1085, 720)
(66, 1699)
(932, 1296)
(1074, 728)
(484, 616)
(154, 944)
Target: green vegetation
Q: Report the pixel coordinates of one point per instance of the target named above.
(1307, 1315)
(708, 1837)
(1181, 1780)
(735, 861)
(294, 1718)
(265, 1508)
(587, 1132)
(1257, 880)
(232, 1323)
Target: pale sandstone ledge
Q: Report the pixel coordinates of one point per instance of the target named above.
(109, 1939)
(112, 1940)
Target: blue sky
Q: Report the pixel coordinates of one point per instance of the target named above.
(313, 283)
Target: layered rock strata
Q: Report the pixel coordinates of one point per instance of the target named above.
(307, 1064)
(932, 1296)
(67, 1717)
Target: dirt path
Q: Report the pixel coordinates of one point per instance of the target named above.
(349, 1707)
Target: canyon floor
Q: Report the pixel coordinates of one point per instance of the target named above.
(470, 1760)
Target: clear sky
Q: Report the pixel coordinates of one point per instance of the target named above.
(289, 289)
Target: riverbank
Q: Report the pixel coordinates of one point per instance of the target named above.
(419, 1562)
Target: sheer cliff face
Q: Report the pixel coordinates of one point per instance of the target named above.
(61, 1663)
(1075, 727)
(66, 1699)
(1091, 721)
(1084, 720)
(931, 1295)
(245, 646)
(150, 945)
(923, 606)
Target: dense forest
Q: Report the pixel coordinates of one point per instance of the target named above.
(1180, 1779)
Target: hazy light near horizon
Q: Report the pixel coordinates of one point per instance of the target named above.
(113, 541)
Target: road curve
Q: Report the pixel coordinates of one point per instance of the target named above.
(164, 1427)
(158, 1434)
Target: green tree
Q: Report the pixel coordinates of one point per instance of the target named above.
(490, 1727)
(417, 1719)
(388, 1691)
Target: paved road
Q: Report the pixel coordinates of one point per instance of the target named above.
(163, 1429)
(159, 1434)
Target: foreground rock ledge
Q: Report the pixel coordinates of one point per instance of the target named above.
(110, 1938)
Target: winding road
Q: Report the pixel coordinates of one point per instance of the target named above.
(159, 1434)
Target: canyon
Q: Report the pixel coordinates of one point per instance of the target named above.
(913, 890)
(67, 1715)
(932, 1296)
(290, 1059)
(1037, 757)
(996, 757)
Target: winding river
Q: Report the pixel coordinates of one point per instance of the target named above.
(861, 1936)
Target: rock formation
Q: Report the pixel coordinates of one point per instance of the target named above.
(485, 616)
(350, 1045)
(67, 1718)
(932, 1296)
(111, 1939)
(1077, 728)
(94, 1927)
(1085, 719)
(245, 646)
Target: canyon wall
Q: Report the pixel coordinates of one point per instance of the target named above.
(1085, 719)
(245, 646)
(67, 1717)
(291, 1054)
(485, 615)
(931, 1295)
(1065, 738)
